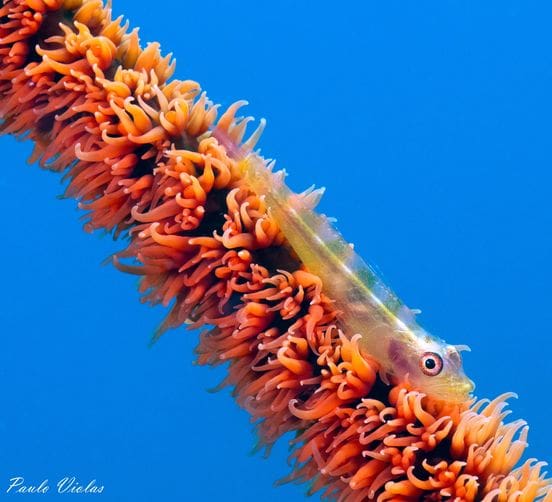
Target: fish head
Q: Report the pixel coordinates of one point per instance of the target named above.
(431, 366)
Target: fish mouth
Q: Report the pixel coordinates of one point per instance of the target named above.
(456, 390)
(466, 387)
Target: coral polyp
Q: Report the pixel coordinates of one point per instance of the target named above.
(137, 151)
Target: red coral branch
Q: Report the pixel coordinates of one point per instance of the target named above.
(136, 152)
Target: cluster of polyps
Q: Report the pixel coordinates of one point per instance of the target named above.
(136, 151)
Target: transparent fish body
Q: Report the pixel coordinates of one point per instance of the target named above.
(388, 328)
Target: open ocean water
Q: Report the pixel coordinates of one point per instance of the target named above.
(430, 125)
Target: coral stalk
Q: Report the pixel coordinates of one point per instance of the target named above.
(137, 153)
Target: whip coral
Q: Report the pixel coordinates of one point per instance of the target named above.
(137, 152)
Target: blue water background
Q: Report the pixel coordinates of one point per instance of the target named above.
(430, 124)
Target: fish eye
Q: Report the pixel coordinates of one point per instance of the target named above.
(431, 363)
